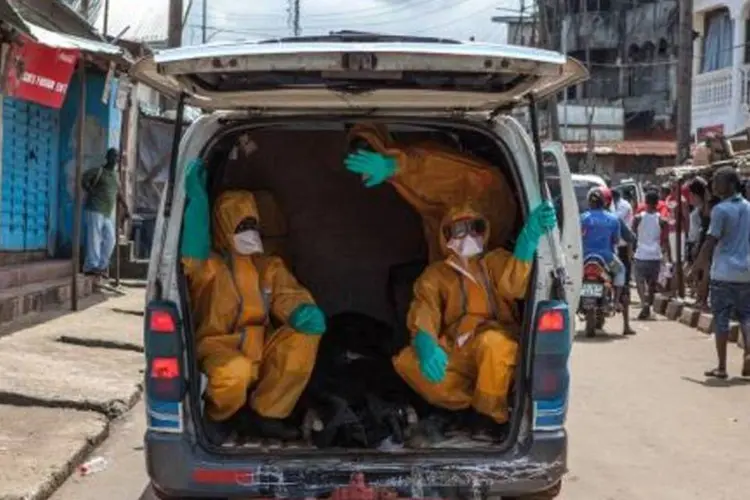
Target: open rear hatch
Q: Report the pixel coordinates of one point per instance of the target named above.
(358, 72)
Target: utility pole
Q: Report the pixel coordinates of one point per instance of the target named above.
(684, 80)
(293, 17)
(105, 26)
(547, 41)
(590, 110)
(174, 29)
(203, 21)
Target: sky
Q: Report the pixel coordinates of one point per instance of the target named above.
(233, 20)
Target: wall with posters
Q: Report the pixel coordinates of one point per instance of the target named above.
(102, 130)
(35, 82)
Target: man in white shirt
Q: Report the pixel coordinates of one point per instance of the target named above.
(622, 208)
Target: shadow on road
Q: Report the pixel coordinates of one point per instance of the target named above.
(129, 312)
(599, 338)
(715, 382)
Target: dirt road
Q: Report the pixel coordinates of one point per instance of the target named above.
(644, 424)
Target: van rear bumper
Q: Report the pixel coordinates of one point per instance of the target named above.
(172, 464)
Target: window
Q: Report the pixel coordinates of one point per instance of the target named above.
(747, 41)
(717, 41)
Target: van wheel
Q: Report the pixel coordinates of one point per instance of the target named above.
(548, 494)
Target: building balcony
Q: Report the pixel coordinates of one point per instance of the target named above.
(721, 100)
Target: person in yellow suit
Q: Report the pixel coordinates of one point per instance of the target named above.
(464, 323)
(255, 373)
(433, 178)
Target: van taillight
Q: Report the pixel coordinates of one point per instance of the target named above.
(552, 348)
(163, 345)
(551, 321)
(165, 368)
(161, 322)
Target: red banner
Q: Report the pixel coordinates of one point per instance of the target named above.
(39, 73)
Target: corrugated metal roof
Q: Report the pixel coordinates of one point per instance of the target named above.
(55, 16)
(61, 41)
(625, 148)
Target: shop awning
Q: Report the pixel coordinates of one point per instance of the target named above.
(98, 49)
(102, 50)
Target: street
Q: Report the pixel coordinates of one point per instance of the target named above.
(643, 424)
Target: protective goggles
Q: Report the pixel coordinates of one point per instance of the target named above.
(247, 224)
(465, 227)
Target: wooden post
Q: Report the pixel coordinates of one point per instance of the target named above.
(684, 80)
(76, 258)
(678, 274)
(124, 124)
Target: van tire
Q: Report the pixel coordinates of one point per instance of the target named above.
(548, 494)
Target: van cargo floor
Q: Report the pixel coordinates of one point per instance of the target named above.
(457, 440)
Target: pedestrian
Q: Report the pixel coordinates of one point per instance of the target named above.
(727, 251)
(698, 190)
(624, 211)
(651, 230)
(102, 190)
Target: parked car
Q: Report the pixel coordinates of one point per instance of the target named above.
(309, 90)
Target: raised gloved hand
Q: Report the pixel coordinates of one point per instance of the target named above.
(308, 319)
(433, 360)
(196, 227)
(375, 168)
(541, 220)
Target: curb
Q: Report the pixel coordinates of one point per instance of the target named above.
(57, 478)
(115, 410)
(676, 310)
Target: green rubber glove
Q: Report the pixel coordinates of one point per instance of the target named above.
(196, 227)
(308, 319)
(433, 360)
(375, 168)
(541, 221)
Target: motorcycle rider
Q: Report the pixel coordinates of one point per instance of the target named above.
(601, 231)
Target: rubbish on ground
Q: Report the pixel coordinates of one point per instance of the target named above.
(93, 466)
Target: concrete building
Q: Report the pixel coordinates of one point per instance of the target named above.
(629, 101)
(721, 68)
(630, 51)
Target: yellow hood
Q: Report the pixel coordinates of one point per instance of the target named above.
(231, 208)
(458, 213)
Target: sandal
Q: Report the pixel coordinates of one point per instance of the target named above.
(716, 373)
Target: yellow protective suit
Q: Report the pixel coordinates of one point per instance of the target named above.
(470, 308)
(433, 179)
(234, 298)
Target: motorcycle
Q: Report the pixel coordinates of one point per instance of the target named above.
(597, 294)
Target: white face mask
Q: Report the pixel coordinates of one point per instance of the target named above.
(468, 246)
(248, 243)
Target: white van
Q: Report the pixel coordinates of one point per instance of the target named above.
(295, 99)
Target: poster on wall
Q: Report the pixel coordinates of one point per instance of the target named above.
(39, 73)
